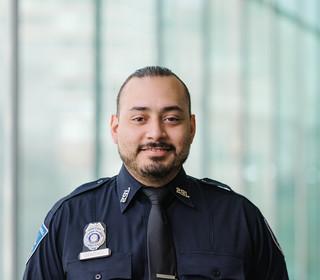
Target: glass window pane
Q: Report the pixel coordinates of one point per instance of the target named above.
(57, 113)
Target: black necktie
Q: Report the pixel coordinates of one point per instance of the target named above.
(161, 253)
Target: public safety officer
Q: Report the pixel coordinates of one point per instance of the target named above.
(152, 220)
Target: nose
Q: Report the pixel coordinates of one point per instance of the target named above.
(155, 130)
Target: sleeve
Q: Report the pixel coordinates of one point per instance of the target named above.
(45, 260)
(269, 261)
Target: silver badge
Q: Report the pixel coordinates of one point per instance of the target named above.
(94, 236)
(94, 242)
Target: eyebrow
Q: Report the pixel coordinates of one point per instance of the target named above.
(163, 110)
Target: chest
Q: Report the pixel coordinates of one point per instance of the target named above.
(197, 235)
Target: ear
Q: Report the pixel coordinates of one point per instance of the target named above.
(114, 124)
(192, 126)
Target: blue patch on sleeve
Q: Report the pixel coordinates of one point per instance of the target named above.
(41, 234)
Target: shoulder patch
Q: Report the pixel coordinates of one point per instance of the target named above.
(43, 231)
(216, 184)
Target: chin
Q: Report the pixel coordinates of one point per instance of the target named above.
(156, 162)
(156, 169)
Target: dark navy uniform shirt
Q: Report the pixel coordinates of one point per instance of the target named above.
(217, 233)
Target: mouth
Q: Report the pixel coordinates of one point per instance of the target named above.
(156, 148)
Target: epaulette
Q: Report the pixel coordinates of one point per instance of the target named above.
(79, 190)
(216, 184)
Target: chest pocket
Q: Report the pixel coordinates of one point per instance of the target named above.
(117, 266)
(210, 266)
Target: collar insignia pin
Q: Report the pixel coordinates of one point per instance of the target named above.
(182, 192)
(125, 195)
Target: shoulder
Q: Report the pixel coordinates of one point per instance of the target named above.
(224, 195)
(210, 185)
(215, 184)
(90, 186)
(81, 191)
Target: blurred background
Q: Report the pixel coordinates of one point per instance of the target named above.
(252, 68)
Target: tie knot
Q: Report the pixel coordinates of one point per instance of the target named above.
(156, 195)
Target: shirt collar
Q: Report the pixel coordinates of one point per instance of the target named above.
(127, 187)
(181, 188)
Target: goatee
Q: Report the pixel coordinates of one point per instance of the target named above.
(155, 169)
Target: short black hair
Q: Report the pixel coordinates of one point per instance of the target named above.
(153, 71)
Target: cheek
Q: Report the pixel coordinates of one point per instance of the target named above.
(127, 138)
(181, 139)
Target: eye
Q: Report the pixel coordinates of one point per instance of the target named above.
(138, 119)
(172, 119)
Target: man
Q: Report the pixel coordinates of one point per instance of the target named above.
(152, 221)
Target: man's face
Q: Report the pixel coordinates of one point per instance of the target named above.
(153, 128)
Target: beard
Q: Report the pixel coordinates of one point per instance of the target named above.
(155, 168)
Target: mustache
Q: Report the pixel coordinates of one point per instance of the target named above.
(155, 145)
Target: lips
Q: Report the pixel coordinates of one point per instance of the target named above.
(156, 147)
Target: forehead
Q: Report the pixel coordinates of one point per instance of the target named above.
(153, 92)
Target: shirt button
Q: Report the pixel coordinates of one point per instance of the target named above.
(98, 276)
(216, 273)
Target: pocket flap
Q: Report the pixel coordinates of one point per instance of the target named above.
(117, 266)
(211, 266)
